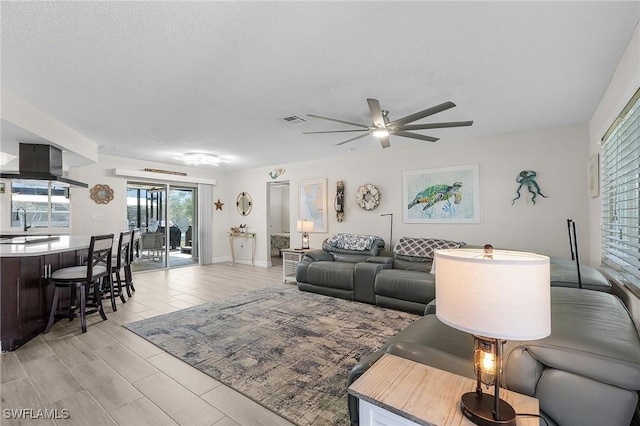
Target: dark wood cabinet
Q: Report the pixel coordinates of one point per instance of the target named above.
(26, 295)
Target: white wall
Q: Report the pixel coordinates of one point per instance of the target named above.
(557, 155)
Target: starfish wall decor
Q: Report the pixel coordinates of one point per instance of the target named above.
(219, 204)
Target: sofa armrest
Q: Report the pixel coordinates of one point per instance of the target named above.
(432, 357)
(317, 255)
(365, 277)
(381, 259)
(431, 308)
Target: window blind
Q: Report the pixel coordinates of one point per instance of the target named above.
(620, 193)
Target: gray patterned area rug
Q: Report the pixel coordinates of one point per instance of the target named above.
(290, 351)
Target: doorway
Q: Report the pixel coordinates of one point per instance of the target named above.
(165, 215)
(278, 220)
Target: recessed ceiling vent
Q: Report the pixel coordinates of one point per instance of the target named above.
(294, 120)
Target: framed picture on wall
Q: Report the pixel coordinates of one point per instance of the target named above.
(312, 203)
(442, 195)
(593, 173)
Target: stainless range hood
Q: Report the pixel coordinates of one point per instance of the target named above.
(41, 162)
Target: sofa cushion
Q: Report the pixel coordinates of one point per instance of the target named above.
(421, 249)
(410, 265)
(332, 274)
(413, 286)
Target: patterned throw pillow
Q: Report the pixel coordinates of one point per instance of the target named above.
(419, 249)
(353, 242)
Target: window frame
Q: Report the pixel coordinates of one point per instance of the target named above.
(620, 195)
(50, 212)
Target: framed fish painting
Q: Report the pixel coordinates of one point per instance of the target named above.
(443, 195)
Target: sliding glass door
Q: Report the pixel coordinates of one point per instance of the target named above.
(182, 208)
(165, 216)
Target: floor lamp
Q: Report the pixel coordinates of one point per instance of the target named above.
(496, 296)
(391, 230)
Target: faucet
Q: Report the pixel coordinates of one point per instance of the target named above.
(24, 218)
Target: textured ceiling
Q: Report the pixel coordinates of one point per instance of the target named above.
(151, 80)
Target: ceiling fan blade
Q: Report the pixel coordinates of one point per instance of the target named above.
(424, 113)
(377, 118)
(339, 121)
(353, 139)
(436, 125)
(415, 136)
(336, 131)
(384, 141)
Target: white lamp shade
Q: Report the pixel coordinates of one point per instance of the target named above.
(506, 297)
(305, 226)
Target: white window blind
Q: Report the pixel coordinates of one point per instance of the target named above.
(620, 193)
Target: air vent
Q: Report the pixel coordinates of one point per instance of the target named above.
(294, 120)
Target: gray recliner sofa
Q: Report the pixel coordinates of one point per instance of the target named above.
(587, 372)
(345, 267)
(409, 284)
(399, 280)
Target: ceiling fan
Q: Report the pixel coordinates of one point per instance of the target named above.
(381, 127)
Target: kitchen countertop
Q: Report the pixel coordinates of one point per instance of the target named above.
(38, 248)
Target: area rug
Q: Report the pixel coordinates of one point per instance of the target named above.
(290, 351)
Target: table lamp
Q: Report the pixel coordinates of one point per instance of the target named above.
(496, 295)
(305, 226)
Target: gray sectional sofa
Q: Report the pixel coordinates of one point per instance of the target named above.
(587, 372)
(401, 279)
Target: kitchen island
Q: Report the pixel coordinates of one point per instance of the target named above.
(26, 263)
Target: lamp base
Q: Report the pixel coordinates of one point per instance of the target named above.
(479, 409)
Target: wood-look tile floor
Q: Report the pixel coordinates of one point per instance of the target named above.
(110, 376)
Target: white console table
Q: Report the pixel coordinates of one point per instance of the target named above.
(290, 258)
(244, 235)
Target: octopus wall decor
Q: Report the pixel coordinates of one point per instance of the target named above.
(528, 178)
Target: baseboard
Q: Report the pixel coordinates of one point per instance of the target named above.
(227, 259)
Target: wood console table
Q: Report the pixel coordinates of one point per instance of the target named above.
(397, 391)
(246, 235)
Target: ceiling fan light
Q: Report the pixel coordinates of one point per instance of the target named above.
(380, 133)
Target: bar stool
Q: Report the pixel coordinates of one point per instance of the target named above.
(83, 279)
(118, 263)
(134, 256)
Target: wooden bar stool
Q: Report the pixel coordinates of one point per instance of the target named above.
(84, 279)
(119, 263)
(134, 256)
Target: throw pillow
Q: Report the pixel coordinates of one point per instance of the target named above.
(409, 248)
(353, 242)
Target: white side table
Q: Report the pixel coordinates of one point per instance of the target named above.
(399, 392)
(290, 258)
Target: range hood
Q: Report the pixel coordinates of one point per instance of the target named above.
(41, 162)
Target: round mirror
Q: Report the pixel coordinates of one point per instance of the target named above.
(244, 203)
(101, 194)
